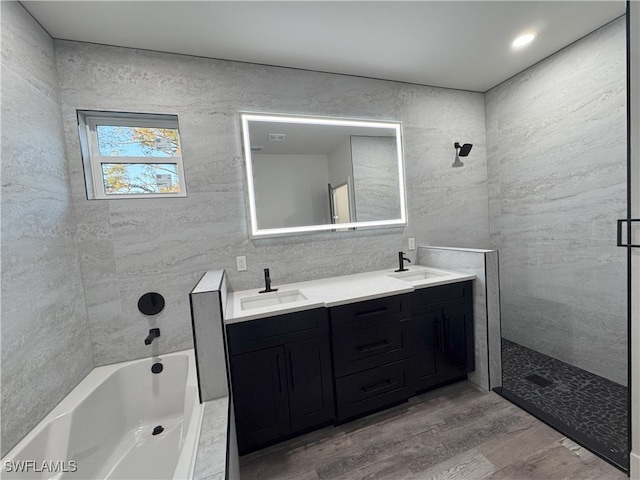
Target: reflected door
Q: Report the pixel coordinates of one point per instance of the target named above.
(339, 204)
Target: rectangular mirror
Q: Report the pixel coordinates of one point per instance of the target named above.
(309, 174)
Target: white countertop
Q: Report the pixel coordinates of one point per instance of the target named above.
(330, 292)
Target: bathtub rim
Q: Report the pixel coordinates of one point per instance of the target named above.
(99, 375)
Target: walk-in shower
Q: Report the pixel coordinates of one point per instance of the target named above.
(557, 163)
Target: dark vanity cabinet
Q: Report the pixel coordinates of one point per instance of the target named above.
(440, 334)
(370, 355)
(295, 372)
(281, 376)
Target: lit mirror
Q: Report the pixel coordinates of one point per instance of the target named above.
(309, 174)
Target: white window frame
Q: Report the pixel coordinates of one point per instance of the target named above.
(92, 160)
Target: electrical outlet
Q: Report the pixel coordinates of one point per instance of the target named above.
(412, 244)
(241, 262)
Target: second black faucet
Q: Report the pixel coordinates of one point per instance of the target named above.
(267, 283)
(401, 260)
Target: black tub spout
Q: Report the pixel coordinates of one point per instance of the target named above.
(153, 333)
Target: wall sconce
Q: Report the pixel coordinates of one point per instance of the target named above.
(461, 151)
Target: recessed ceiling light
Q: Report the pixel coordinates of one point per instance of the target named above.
(523, 40)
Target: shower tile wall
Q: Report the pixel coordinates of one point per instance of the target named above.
(129, 247)
(46, 348)
(556, 143)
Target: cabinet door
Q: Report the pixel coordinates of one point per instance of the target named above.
(421, 332)
(260, 397)
(310, 382)
(455, 342)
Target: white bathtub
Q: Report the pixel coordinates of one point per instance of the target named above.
(103, 428)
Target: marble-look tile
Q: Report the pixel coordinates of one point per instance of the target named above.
(31, 213)
(46, 347)
(208, 229)
(156, 236)
(93, 220)
(573, 334)
(118, 329)
(35, 164)
(27, 51)
(474, 262)
(212, 448)
(205, 159)
(494, 320)
(375, 168)
(557, 183)
(209, 338)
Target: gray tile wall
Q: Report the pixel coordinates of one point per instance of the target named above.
(129, 247)
(208, 302)
(46, 348)
(486, 305)
(556, 143)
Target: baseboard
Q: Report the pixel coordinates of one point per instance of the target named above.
(634, 470)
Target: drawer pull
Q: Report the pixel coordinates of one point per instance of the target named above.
(293, 383)
(446, 328)
(374, 346)
(378, 386)
(279, 376)
(372, 313)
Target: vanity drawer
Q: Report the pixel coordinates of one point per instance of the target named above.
(272, 331)
(370, 313)
(373, 389)
(354, 351)
(423, 299)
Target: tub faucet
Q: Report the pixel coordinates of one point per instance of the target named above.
(401, 260)
(153, 333)
(267, 283)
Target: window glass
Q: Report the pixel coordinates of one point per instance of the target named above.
(140, 178)
(131, 155)
(116, 141)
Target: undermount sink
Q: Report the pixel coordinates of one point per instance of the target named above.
(415, 275)
(263, 300)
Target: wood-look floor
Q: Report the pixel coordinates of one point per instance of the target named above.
(455, 432)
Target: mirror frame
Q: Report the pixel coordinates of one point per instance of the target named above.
(256, 232)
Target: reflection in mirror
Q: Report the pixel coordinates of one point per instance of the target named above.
(307, 174)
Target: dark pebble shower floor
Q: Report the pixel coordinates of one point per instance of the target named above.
(590, 409)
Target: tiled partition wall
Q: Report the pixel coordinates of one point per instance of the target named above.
(208, 304)
(556, 137)
(129, 247)
(484, 264)
(46, 348)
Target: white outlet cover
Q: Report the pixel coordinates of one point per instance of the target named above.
(412, 244)
(241, 263)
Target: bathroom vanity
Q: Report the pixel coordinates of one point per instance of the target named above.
(327, 351)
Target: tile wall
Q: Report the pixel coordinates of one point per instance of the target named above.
(556, 136)
(129, 247)
(46, 349)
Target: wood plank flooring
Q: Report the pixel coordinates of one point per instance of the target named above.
(456, 432)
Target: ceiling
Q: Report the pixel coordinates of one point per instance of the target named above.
(454, 44)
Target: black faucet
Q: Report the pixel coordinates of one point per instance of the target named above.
(153, 333)
(267, 283)
(401, 260)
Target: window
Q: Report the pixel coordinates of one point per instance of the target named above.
(131, 155)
